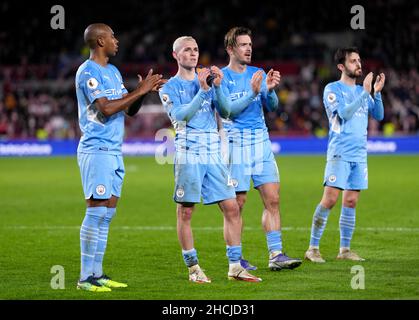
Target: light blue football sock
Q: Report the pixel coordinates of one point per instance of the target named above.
(102, 242)
(318, 225)
(274, 240)
(190, 257)
(347, 226)
(89, 234)
(234, 253)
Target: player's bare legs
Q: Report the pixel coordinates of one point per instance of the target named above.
(109, 203)
(350, 198)
(330, 197)
(184, 230)
(269, 193)
(271, 223)
(232, 236)
(232, 222)
(241, 198)
(185, 236)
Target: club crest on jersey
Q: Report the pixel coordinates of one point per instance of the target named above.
(180, 192)
(100, 189)
(332, 178)
(92, 83)
(331, 97)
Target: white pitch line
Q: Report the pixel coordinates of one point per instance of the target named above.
(173, 228)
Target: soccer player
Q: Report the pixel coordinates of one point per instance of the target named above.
(191, 104)
(347, 106)
(251, 157)
(102, 102)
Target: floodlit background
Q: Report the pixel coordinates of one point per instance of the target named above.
(42, 203)
(38, 64)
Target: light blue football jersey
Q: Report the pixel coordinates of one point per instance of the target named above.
(238, 84)
(249, 125)
(347, 138)
(199, 133)
(99, 133)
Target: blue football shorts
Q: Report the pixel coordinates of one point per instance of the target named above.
(254, 162)
(346, 175)
(203, 175)
(102, 175)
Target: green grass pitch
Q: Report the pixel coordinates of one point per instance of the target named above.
(42, 208)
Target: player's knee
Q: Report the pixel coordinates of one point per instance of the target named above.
(329, 199)
(329, 202)
(97, 202)
(185, 213)
(350, 202)
(232, 211)
(273, 202)
(240, 202)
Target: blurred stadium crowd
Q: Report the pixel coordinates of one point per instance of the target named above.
(38, 64)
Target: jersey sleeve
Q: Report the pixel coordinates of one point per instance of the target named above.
(169, 97)
(331, 99)
(221, 101)
(174, 107)
(90, 82)
(229, 108)
(264, 87)
(376, 107)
